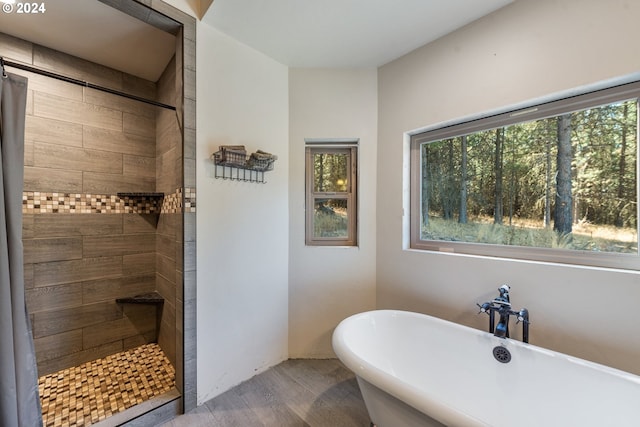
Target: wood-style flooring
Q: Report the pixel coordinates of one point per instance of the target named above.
(295, 393)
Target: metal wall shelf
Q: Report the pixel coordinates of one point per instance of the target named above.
(237, 166)
(139, 194)
(238, 173)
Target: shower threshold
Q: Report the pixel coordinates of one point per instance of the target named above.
(92, 392)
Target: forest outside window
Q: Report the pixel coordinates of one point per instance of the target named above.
(553, 182)
(331, 195)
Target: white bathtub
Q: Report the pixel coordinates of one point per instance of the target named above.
(418, 370)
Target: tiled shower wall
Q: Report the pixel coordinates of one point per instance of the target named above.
(84, 146)
(168, 180)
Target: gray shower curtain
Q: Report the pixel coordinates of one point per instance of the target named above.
(19, 400)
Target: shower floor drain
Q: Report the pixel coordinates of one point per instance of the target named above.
(501, 354)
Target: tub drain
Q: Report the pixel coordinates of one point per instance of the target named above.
(501, 354)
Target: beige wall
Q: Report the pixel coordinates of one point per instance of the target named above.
(528, 50)
(242, 227)
(327, 284)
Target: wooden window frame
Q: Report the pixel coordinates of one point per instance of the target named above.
(350, 195)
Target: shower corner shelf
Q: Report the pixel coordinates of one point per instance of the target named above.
(148, 298)
(140, 194)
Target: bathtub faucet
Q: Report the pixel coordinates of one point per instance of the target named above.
(502, 305)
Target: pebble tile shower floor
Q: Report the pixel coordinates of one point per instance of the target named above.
(85, 394)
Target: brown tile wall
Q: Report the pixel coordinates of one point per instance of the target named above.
(78, 140)
(168, 180)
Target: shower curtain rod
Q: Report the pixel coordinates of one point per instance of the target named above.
(46, 73)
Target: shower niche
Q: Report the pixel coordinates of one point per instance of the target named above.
(109, 215)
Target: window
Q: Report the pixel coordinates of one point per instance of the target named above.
(553, 182)
(331, 194)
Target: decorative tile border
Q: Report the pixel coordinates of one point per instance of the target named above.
(172, 203)
(189, 200)
(36, 202)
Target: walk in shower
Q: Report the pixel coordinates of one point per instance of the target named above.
(109, 224)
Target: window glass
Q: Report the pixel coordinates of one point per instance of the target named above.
(331, 218)
(330, 172)
(331, 196)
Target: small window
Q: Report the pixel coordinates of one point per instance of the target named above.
(552, 182)
(331, 185)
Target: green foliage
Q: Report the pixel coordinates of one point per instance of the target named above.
(482, 230)
(330, 225)
(330, 172)
(602, 180)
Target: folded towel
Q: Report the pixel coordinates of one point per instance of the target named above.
(261, 160)
(233, 154)
(232, 147)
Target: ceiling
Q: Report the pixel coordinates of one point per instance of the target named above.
(342, 33)
(297, 33)
(96, 32)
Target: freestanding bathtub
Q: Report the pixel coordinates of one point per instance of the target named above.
(418, 370)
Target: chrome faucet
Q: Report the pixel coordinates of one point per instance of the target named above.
(502, 305)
